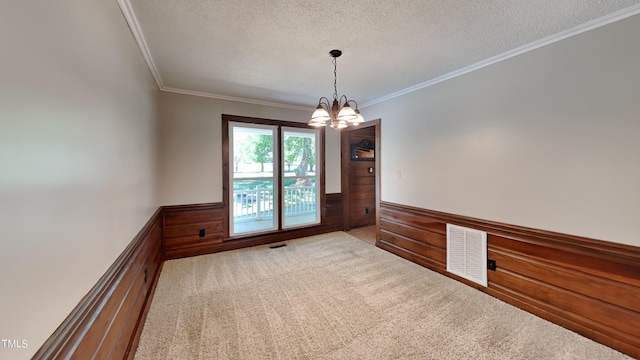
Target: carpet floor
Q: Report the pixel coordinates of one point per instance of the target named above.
(332, 296)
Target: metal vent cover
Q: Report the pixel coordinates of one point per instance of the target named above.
(467, 253)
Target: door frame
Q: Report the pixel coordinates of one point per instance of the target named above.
(345, 166)
(226, 168)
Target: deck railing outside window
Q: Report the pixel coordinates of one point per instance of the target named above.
(257, 204)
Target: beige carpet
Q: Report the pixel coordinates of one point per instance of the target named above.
(333, 296)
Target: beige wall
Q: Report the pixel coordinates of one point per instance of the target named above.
(549, 139)
(190, 152)
(77, 155)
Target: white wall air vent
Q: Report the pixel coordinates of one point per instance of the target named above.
(467, 253)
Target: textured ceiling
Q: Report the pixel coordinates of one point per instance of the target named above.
(277, 51)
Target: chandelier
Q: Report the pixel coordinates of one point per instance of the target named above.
(338, 114)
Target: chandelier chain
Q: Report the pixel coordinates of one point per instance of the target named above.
(335, 80)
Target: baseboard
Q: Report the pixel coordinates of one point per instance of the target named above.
(183, 225)
(107, 322)
(589, 286)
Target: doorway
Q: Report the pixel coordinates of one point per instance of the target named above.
(360, 182)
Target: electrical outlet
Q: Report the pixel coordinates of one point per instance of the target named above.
(491, 264)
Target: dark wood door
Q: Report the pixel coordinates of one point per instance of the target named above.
(362, 183)
(359, 177)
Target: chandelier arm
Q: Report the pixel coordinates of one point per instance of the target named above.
(326, 104)
(353, 101)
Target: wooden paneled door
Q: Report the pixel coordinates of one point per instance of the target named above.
(360, 178)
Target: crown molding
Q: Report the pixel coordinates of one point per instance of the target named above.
(134, 26)
(593, 24)
(136, 30)
(237, 99)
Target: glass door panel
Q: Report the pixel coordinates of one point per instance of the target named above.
(300, 196)
(253, 178)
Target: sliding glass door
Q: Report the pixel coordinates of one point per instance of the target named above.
(274, 178)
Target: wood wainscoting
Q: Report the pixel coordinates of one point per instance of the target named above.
(183, 225)
(589, 286)
(107, 322)
(191, 229)
(332, 213)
